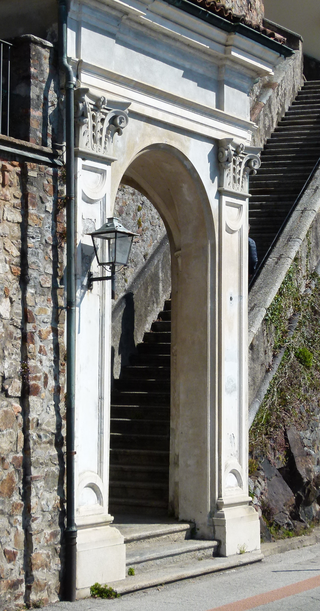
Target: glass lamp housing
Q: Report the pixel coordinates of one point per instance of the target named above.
(112, 243)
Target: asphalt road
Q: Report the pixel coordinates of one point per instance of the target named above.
(289, 581)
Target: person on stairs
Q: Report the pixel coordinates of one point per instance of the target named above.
(253, 257)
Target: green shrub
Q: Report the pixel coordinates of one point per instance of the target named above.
(99, 591)
(304, 356)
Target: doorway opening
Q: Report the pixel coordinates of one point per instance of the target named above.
(170, 182)
(141, 347)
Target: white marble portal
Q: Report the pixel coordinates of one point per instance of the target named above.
(162, 103)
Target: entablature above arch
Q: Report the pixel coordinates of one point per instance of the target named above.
(162, 55)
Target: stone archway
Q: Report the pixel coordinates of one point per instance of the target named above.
(206, 220)
(172, 185)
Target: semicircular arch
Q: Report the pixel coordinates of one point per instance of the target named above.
(170, 181)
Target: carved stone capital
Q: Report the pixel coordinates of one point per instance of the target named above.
(236, 164)
(96, 123)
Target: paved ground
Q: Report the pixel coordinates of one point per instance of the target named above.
(288, 581)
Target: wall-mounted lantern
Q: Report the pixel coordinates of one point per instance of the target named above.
(112, 245)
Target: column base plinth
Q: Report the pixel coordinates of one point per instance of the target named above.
(238, 529)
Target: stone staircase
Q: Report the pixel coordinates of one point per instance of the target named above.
(164, 552)
(287, 161)
(140, 426)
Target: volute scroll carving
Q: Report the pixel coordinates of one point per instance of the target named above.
(97, 123)
(236, 164)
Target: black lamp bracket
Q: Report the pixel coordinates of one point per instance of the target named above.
(92, 279)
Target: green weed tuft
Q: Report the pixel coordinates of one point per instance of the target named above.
(99, 591)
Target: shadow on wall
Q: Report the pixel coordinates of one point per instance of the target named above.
(127, 344)
(143, 286)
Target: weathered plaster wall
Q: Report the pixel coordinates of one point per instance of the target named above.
(32, 233)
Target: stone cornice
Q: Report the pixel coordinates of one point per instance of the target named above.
(174, 20)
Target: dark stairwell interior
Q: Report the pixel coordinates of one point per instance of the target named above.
(140, 425)
(288, 160)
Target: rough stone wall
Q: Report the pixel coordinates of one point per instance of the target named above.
(299, 239)
(34, 91)
(32, 370)
(138, 215)
(252, 9)
(272, 95)
(32, 232)
(142, 287)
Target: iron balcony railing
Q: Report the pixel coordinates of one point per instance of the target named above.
(5, 74)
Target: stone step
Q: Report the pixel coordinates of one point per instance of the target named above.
(151, 545)
(268, 187)
(165, 315)
(262, 239)
(140, 424)
(293, 139)
(137, 531)
(269, 228)
(119, 506)
(272, 197)
(127, 456)
(291, 166)
(157, 337)
(312, 85)
(139, 473)
(290, 154)
(127, 426)
(151, 557)
(267, 208)
(288, 158)
(278, 177)
(144, 359)
(145, 372)
(307, 95)
(138, 442)
(154, 348)
(136, 412)
(121, 397)
(156, 492)
(267, 212)
(161, 325)
(181, 570)
(307, 112)
(298, 126)
(311, 119)
(142, 384)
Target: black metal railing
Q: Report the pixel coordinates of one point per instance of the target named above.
(5, 83)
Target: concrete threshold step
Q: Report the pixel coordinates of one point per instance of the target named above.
(151, 556)
(137, 529)
(183, 570)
